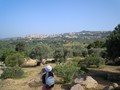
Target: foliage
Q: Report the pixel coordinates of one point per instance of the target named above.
(5, 52)
(94, 60)
(16, 59)
(113, 44)
(39, 52)
(76, 60)
(65, 51)
(58, 55)
(66, 71)
(96, 51)
(20, 46)
(84, 52)
(13, 72)
(96, 44)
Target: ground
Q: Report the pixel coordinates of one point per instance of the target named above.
(34, 73)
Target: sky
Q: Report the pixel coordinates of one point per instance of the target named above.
(23, 17)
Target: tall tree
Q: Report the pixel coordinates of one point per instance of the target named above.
(39, 52)
(113, 43)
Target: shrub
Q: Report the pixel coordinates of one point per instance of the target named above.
(84, 52)
(76, 59)
(13, 72)
(95, 51)
(66, 71)
(94, 60)
(16, 59)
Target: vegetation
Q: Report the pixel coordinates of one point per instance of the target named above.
(16, 59)
(66, 71)
(96, 44)
(93, 51)
(13, 72)
(20, 46)
(113, 45)
(39, 52)
(93, 60)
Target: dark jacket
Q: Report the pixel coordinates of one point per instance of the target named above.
(43, 78)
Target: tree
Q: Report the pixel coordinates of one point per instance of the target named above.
(113, 44)
(15, 59)
(96, 44)
(20, 46)
(58, 55)
(39, 52)
(6, 52)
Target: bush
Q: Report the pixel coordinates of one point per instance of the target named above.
(76, 59)
(95, 51)
(94, 61)
(13, 72)
(16, 59)
(66, 71)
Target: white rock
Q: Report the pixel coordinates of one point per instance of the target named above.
(77, 87)
(115, 85)
(34, 83)
(86, 81)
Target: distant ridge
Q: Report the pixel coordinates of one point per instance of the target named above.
(82, 34)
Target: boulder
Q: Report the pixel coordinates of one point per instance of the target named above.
(108, 88)
(34, 83)
(30, 62)
(43, 61)
(86, 81)
(77, 87)
(115, 85)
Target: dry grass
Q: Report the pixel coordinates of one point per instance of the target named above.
(33, 73)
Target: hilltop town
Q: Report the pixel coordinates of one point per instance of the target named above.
(82, 34)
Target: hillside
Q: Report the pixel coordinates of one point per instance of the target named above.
(82, 35)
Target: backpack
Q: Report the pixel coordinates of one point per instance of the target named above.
(50, 82)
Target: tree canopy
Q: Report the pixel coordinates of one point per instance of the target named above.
(113, 43)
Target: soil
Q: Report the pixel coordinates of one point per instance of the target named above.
(34, 73)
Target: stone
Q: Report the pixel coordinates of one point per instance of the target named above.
(86, 81)
(30, 62)
(108, 88)
(34, 83)
(77, 87)
(115, 85)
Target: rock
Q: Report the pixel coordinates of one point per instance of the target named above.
(77, 87)
(34, 83)
(30, 62)
(108, 88)
(43, 62)
(86, 81)
(115, 85)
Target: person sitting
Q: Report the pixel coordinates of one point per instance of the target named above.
(47, 78)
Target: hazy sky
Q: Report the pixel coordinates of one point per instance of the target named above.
(23, 17)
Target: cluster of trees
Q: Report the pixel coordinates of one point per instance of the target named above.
(111, 46)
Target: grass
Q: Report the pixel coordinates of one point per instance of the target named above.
(33, 72)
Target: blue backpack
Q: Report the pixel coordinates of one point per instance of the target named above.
(50, 82)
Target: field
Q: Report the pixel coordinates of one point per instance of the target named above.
(33, 73)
